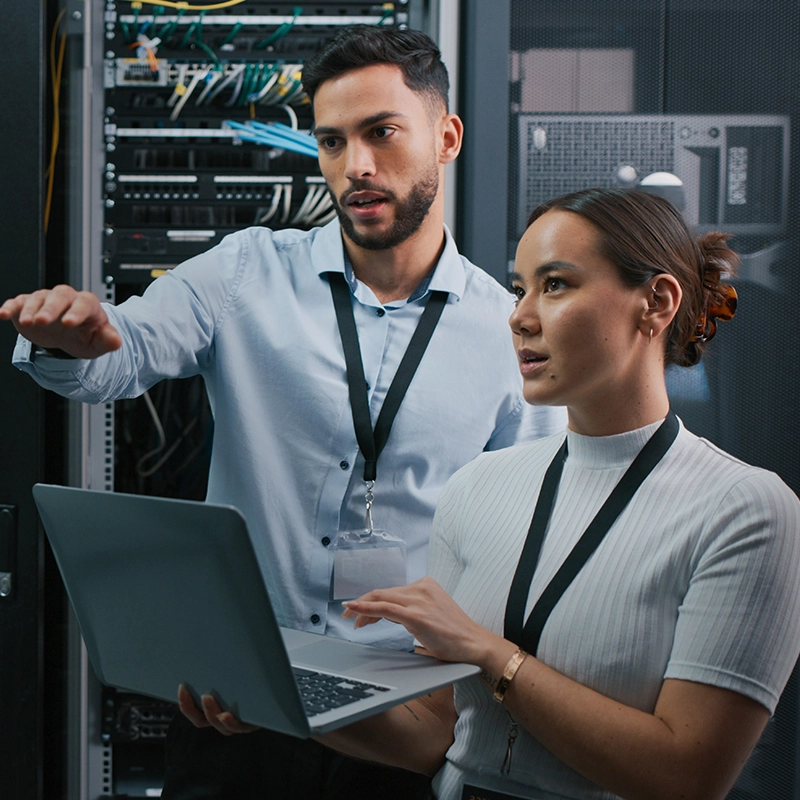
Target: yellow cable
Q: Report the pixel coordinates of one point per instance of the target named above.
(187, 6)
(55, 79)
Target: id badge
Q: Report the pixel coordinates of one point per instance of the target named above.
(363, 561)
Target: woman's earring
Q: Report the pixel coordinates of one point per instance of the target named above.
(651, 332)
(655, 301)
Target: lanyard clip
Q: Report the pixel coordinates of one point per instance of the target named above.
(368, 526)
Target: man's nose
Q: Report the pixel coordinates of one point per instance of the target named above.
(360, 162)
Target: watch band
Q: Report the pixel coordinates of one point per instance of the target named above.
(514, 663)
(37, 351)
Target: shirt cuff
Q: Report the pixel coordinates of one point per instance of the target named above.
(26, 358)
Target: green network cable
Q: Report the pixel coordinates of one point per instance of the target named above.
(195, 29)
(388, 10)
(170, 27)
(281, 31)
(232, 35)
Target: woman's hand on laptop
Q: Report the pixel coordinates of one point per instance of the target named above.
(427, 612)
(210, 714)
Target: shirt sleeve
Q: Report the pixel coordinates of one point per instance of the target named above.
(168, 332)
(739, 624)
(444, 564)
(526, 423)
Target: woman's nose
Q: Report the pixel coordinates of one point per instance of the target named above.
(524, 318)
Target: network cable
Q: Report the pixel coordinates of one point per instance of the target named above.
(281, 31)
(274, 134)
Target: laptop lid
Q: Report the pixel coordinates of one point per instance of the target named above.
(169, 591)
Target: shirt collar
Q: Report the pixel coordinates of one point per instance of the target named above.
(327, 255)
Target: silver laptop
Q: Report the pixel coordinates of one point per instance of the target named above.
(169, 591)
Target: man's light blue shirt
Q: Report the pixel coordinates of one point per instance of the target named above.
(254, 317)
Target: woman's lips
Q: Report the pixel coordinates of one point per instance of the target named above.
(530, 362)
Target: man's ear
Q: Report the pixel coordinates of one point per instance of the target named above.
(451, 134)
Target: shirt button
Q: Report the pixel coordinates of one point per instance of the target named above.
(326, 541)
(344, 464)
(315, 619)
(380, 312)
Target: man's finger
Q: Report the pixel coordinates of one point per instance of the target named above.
(31, 307)
(225, 722)
(190, 710)
(84, 307)
(12, 307)
(234, 725)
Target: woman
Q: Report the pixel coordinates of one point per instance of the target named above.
(655, 671)
(648, 666)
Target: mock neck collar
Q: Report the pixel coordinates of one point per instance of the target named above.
(607, 452)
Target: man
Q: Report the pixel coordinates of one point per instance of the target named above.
(256, 316)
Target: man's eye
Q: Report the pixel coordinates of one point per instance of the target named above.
(329, 142)
(382, 133)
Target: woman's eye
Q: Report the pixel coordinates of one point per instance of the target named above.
(553, 284)
(518, 292)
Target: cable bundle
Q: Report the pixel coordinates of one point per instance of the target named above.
(274, 134)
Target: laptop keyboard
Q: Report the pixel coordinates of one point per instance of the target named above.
(320, 691)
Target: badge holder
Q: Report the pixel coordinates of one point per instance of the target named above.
(366, 559)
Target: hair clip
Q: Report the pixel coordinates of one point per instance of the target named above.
(724, 310)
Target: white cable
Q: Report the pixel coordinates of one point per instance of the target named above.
(276, 196)
(172, 448)
(162, 439)
(198, 76)
(292, 116)
(275, 96)
(237, 90)
(321, 207)
(326, 219)
(174, 97)
(228, 78)
(267, 86)
(311, 195)
(216, 76)
(287, 201)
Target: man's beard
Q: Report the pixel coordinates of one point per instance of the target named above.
(409, 213)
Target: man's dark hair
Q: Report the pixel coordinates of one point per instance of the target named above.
(358, 46)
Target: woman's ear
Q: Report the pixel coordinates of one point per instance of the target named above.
(663, 299)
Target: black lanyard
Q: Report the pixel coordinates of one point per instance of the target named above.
(370, 442)
(528, 637)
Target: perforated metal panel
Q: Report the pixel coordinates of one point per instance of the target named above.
(598, 93)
